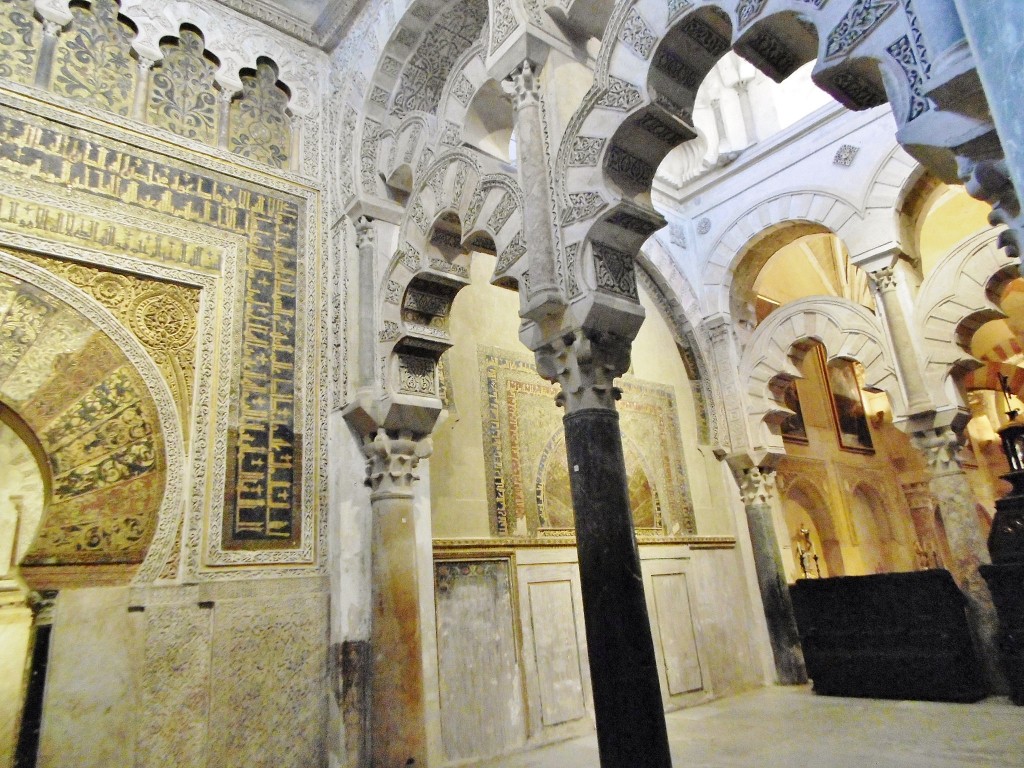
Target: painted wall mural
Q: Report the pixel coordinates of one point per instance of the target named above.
(527, 470)
(234, 242)
(97, 425)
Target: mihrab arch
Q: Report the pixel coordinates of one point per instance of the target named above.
(107, 425)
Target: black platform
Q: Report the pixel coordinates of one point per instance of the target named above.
(890, 636)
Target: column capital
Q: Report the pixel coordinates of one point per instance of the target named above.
(757, 485)
(524, 85)
(365, 233)
(391, 461)
(585, 364)
(51, 28)
(884, 280)
(941, 449)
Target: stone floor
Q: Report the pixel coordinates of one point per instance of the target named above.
(793, 728)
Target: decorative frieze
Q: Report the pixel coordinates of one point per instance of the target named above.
(615, 271)
(706, 37)
(678, 69)
(620, 95)
(903, 52)
(859, 20)
(585, 150)
(632, 167)
(583, 205)
(636, 34)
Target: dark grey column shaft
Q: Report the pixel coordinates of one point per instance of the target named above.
(778, 608)
(623, 670)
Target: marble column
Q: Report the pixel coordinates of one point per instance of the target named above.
(224, 98)
(623, 669)
(995, 32)
(397, 709)
(884, 281)
(757, 487)
(365, 245)
(967, 546)
(47, 51)
(542, 293)
(144, 68)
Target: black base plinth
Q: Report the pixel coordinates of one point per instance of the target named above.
(630, 716)
(888, 636)
(1006, 583)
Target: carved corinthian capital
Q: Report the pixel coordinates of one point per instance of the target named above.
(989, 181)
(391, 461)
(585, 365)
(941, 449)
(364, 233)
(757, 486)
(884, 280)
(525, 88)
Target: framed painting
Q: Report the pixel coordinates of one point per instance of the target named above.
(848, 410)
(792, 428)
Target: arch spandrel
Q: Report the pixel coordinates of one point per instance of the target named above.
(107, 425)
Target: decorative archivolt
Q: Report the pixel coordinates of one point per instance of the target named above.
(844, 329)
(399, 140)
(653, 58)
(956, 298)
(236, 43)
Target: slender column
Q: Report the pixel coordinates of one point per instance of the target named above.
(884, 282)
(145, 70)
(47, 51)
(757, 487)
(224, 97)
(542, 292)
(623, 669)
(967, 546)
(365, 244)
(397, 712)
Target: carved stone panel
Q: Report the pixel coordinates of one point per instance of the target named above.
(482, 711)
(676, 635)
(556, 648)
(268, 682)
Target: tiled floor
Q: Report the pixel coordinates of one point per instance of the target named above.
(793, 728)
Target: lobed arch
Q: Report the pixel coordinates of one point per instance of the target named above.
(844, 329)
(653, 57)
(236, 47)
(959, 295)
(133, 519)
(455, 208)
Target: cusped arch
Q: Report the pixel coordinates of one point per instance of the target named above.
(106, 419)
(956, 298)
(845, 330)
(454, 209)
(653, 57)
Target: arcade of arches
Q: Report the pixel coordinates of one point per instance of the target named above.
(389, 382)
